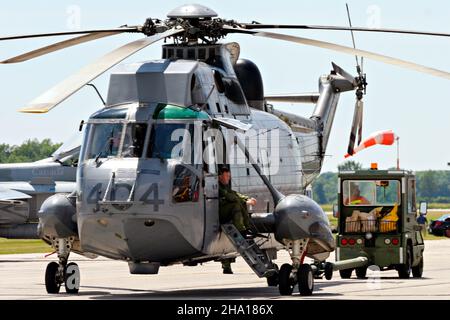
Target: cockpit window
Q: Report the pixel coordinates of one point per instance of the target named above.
(168, 140)
(105, 140)
(133, 143)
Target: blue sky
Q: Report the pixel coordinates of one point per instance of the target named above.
(416, 106)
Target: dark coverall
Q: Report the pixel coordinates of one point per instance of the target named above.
(233, 207)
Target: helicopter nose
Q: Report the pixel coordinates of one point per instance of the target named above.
(299, 217)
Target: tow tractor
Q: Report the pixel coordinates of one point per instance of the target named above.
(377, 225)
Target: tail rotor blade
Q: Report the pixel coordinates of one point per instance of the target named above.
(360, 106)
(353, 131)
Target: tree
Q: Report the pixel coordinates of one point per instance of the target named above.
(349, 165)
(29, 151)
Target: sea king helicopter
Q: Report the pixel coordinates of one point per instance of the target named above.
(147, 178)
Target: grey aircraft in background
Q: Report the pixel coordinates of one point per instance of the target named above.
(25, 186)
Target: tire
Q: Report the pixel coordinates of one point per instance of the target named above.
(417, 271)
(361, 272)
(52, 285)
(328, 271)
(273, 280)
(346, 274)
(305, 280)
(286, 282)
(404, 270)
(72, 278)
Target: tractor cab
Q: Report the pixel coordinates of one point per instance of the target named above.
(376, 215)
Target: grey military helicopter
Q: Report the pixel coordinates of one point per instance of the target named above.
(25, 186)
(138, 201)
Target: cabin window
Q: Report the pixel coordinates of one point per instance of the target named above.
(133, 143)
(105, 140)
(185, 185)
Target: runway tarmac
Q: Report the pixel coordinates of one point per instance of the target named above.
(22, 277)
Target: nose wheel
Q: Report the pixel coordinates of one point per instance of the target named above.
(60, 273)
(298, 273)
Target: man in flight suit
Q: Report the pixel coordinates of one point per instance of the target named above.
(233, 207)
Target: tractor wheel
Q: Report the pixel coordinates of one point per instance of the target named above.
(404, 270)
(418, 270)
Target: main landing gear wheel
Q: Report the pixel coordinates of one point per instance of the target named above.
(346, 274)
(72, 278)
(273, 280)
(328, 271)
(286, 281)
(361, 272)
(52, 283)
(305, 280)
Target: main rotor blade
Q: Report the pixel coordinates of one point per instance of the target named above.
(68, 33)
(65, 89)
(249, 26)
(59, 46)
(344, 49)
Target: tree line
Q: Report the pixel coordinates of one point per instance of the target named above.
(432, 186)
(29, 151)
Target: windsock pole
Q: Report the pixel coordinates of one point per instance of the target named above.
(398, 153)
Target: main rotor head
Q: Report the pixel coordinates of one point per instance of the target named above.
(192, 11)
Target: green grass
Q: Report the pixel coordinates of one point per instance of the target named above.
(439, 206)
(13, 246)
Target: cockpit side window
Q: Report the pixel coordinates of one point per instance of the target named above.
(170, 140)
(105, 140)
(133, 143)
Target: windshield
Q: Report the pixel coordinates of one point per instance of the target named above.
(133, 143)
(371, 193)
(170, 140)
(106, 138)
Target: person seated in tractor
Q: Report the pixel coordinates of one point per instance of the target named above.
(233, 205)
(355, 196)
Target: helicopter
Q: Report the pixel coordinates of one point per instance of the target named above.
(147, 177)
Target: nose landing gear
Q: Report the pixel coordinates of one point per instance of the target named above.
(298, 273)
(60, 273)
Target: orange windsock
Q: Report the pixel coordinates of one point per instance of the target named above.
(380, 137)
